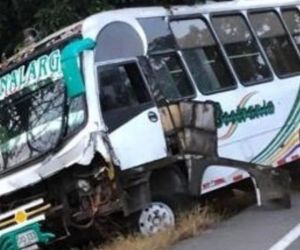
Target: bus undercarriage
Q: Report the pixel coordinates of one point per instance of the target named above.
(74, 200)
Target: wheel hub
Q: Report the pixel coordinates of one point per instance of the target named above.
(155, 218)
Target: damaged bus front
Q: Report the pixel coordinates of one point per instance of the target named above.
(51, 177)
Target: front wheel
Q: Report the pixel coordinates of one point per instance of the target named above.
(156, 217)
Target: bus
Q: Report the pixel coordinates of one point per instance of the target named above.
(117, 110)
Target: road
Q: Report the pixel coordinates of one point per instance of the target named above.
(253, 229)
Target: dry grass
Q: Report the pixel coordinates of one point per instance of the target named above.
(189, 224)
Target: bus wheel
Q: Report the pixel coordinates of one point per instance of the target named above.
(156, 217)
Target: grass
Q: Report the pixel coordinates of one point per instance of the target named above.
(189, 224)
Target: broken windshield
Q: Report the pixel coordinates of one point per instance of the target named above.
(36, 115)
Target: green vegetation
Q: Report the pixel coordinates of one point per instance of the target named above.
(190, 224)
(51, 15)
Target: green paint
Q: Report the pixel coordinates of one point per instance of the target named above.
(243, 114)
(9, 241)
(290, 125)
(71, 68)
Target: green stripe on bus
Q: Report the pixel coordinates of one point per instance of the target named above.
(289, 126)
(71, 68)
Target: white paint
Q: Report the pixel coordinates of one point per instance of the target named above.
(216, 172)
(288, 239)
(139, 141)
(22, 208)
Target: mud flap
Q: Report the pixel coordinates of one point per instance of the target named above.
(272, 186)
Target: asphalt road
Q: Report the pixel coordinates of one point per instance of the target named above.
(253, 229)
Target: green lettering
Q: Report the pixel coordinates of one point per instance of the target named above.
(13, 83)
(31, 75)
(258, 111)
(232, 117)
(3, 87)
(22, 76)
(54, 61)
(243, 114)
(271, 108)
(43, 70)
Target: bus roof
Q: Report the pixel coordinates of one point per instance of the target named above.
(210, 6)
(144, 12)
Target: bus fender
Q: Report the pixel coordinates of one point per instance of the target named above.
(272, 185)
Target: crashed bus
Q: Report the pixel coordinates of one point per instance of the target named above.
(132, 107)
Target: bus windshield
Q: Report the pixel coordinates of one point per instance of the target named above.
(35, 115)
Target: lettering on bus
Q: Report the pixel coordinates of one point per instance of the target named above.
(46, 66)
(243, 114)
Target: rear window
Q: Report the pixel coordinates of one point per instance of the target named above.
(241, 48)
(276, 43)
(292, 20)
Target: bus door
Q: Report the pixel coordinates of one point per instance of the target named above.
(130, 114)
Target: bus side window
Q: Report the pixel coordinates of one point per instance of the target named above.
(242, 49)
(292, 20)
(202, 55)
(171, 76)
(158, 34)
(122, 86)
(276, 43)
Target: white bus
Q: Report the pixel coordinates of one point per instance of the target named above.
(83, 125)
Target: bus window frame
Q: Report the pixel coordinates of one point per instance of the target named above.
(118, 62)
(144, 30)
(278, 14)
(179, 55)
(255, 39)
(212, 31)
(184, 67)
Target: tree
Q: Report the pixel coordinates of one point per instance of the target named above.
(51, 15)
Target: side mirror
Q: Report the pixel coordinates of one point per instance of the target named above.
(70, 67)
